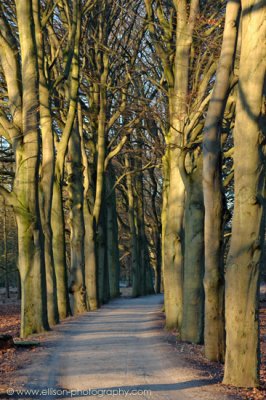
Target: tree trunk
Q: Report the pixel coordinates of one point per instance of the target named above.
(112, 236)
(58, 223)
(158, 279)
(76, 222)
(193, 299)
(146, 284)
(102, 266)
(135, 270)
(30, 240)
(59, 250)
(173, 237)
(90, 259)
(89, 240)
(47, 173)
(178, 93)
(165, 168)
(99, 211)
(212, 187)
(176, 73)
(242, 272)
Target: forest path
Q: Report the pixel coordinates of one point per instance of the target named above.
(122, 349)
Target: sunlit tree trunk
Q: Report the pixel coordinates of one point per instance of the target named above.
(99, 211)
(59, 249)
(76, 222)
(58, 223)
(165, 170)
(30, 239)
(242, 268)
(212, 186)
(90, 258)
(176, 74)
(89, 240)
(173, 232)
(99, 208)
(193, 299)
(47, 172)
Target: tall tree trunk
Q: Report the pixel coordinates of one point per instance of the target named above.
(242, 271)
(58, 223)
(212, 187)
(165, 170)
(173, 219)
(90, 258)
(193, 299)
(89, 240)
(135, 264)
(112, 235)
(102, 266)
(59, 249)
(156, 235)
(99, 208)
(47, 172)
(178, 94)
(146, 284)
(30, 240)
(76, 222)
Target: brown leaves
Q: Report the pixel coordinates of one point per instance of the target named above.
(10, 319)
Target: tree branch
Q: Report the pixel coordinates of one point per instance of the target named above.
(115, 151)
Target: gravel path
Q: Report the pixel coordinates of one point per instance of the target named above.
(117, 352)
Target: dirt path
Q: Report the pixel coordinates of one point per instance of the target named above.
(121, 349)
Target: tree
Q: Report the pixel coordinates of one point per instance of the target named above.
(213, 192)
(188, 58)
(24, 135)
(242, 267)
(47, 169)
(176, 32)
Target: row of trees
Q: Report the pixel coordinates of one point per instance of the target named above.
(208, 108)
(66, 112)
(99, 97)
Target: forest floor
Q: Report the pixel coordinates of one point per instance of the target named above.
(121, 347)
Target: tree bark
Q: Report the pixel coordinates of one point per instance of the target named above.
(112, 235)
(212, 187)
(89, 240)
(173, 219)
(47, 172)
(242, 269)
(76, 222)
(193, 298)
(135, 263)
(178, 80)
(102, 266)
(27, 152)
(58, 223)
(59, 250)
